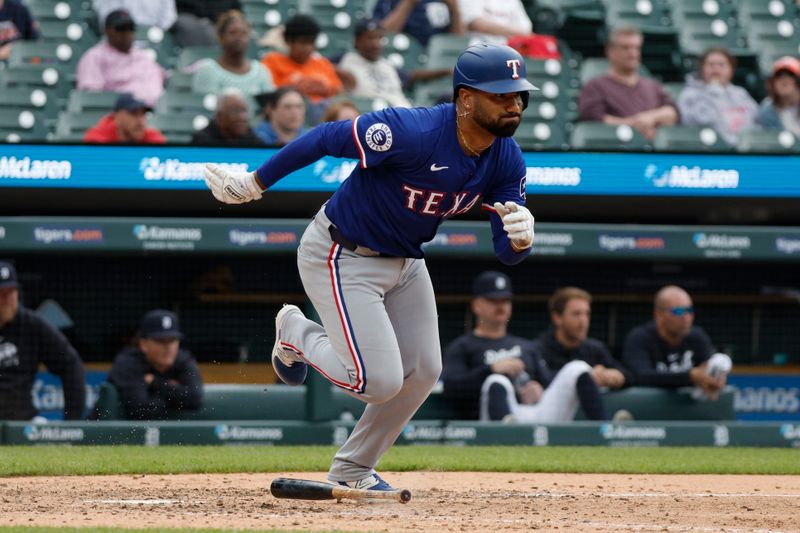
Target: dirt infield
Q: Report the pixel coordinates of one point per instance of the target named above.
(455, 502)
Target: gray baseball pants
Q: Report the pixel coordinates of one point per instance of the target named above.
(379, 339)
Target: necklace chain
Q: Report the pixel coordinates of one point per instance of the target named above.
(466, 144)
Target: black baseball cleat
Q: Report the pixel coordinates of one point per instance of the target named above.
(287, 360)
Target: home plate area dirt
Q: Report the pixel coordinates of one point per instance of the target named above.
(442, 501)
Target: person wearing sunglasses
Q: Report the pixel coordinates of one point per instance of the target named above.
(670, 351)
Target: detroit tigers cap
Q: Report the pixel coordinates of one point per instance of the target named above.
(492, 284)
(8, 276)
(160, 324)
(128, 102)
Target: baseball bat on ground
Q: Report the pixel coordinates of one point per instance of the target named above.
(304, 489)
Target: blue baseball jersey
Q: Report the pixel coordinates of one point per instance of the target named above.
(412, 175)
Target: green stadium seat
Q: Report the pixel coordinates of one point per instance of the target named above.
(72, 125)
(768, 142)
(444, 49)
(674, 89)
(49, 78)
(689, 139)
(650, 16)
(22, 125)
(179, 82)
(70, 31)
(598, 136)
(769, 51)
(264, 15)
(404, 51)
(685, 10)
(192, 54)
(43, 53)
(102, 101)
(194, 103)
(34, 99)
(178, 127)
(753, 10)
(696, 35)
(160, 43)
(535, 133)
(762, 31)
(46, 10)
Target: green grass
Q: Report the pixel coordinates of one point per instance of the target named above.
(57, 460)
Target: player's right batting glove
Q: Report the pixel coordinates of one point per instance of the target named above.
(232, 187)
(517, 223)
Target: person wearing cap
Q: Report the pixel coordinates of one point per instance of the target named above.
(781, 109)
(568, 339)
(671, 351)
(623, 96)
(127, 124)
(710, 99)
(303, 67)
(489, 374)
(375, 76)
(232, 68)
(26, 341)
(16, 23)
(284, 114)
(421, 19)
(159, 13)
(155, 378)
(230, 125)
(115, 65)
(361, 259)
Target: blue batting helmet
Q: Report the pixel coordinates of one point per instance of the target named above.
(492, 68)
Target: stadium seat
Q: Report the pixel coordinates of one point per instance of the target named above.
(71, 126)
(598, 136)
(264, 15)
(50, 78)
(102, 101)
(768, 142)
(70, 31)
(22, 125)
(33, 52)
(33, 99)
(159, 42)
(367, 105)
(444, 49)
(179, 102)
(535, 133)
(753, 10)
(192, 54)
(581, 23)
(769, 51)
(179, 82)
(689, 139)
(47, 10)
(650, 16)
(404, 51)
(674, 89)
(178, 127)
(684, 10)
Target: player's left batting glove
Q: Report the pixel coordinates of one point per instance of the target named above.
(517, 223)
(232, 187)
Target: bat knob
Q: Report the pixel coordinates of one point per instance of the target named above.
(405, 496)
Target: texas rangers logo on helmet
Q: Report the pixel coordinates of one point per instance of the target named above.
(379, 137)
(513, 64)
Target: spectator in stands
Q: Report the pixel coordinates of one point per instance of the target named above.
(197, 18)
(114, 65)
(669, 351)
(127, 124)
(622, 96)
(231, 122)
(285, 114)
(492, 375)
(781, 109)
(233, 68)
(159, 13)
(16, 23)
(495, 22)
(419, 18)
(342, 109)
(568, 339)
(154, 377)
(374, 75)
(26, 341)
(303, 67)
(710, 99)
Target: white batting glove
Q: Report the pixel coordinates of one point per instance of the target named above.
(517, 223)
(232, 187)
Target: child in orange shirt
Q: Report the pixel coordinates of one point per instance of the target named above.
(303, 67)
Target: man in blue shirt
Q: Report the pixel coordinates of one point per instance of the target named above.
(361, 260)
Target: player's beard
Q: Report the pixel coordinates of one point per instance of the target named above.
(498, 127)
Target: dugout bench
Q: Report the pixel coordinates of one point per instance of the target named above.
(281, 402)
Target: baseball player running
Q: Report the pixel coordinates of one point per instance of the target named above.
(361, 260)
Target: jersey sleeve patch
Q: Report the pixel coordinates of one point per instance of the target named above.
(379, 137)
(522, 187)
